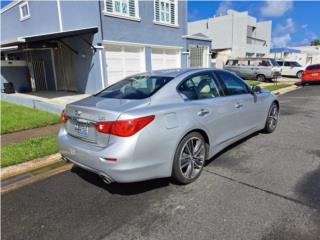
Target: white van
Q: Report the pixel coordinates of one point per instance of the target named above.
(259, 69)
(291, 68)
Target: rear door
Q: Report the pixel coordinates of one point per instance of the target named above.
(245, 105)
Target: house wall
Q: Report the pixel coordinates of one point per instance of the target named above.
(146, 31)
(44, 19)
(18, 75)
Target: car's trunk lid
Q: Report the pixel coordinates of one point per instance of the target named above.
(83, 115)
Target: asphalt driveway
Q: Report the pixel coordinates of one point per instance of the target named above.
(265, 187)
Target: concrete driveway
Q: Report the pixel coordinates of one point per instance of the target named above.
(265, 187)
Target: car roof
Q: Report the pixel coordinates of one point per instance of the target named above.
(179, 71)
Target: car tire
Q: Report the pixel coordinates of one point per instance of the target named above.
(189, 158)
(299, 74)
(261, 78)
(272, 118)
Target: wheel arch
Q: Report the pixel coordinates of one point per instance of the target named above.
(202, 132)
(277, 102)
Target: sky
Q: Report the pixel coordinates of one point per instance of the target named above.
(294, 23)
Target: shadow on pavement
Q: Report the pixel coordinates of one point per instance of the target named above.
(121, 188)
(231, 146)
(308, 188)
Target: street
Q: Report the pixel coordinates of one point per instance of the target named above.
(264, 187)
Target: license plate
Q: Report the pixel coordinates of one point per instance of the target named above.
(82, 129)
(314, 74)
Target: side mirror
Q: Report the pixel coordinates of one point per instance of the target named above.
(256, 89)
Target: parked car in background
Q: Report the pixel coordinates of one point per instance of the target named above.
(311, 74)
(291, 68)
(259, 69)
(163, 123)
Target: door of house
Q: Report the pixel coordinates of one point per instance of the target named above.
(123, 61)
(198, 57)
(162, 58)
(39, 75)
(64, 69)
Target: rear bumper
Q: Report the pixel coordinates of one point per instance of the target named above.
(129, 167)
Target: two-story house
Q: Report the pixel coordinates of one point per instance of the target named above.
(236, 34)
(83, 46)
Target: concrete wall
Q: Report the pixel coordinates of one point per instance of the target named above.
(18, 75)
(230, 32)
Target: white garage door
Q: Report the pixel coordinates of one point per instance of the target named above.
(123, 61)
(165, 58)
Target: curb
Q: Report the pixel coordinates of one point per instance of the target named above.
(36, 178)
(285, 90)
(29, 166)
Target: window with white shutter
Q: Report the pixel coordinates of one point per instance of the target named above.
(122, 8)
(166, 12)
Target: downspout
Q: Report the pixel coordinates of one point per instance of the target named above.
(100, 14)
(59, 16)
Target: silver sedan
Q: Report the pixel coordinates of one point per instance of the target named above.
(163, 124)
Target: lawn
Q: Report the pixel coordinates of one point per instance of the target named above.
(276, 86)
(252, 83)
(28, 150)
(16, 117)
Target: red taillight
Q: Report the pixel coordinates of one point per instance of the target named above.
(64, 117)
(124, 128)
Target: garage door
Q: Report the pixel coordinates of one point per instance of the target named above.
(165, 58)
(123, 61)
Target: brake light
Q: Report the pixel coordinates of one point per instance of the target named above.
(63, 117)
(124, 128)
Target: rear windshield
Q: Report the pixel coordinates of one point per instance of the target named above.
(137, 87)
(313, 67)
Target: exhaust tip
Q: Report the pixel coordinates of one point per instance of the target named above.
(66, 160)
(106, 179)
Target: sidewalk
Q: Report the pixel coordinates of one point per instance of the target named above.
(20, 136)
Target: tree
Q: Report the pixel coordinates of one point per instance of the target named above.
(315, 42)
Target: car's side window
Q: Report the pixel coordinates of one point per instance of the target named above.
(233, 85)
(199, 87)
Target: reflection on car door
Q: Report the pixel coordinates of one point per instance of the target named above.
(245, 104)
(214, 112)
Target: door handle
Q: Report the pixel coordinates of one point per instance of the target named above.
(238, 105)
(203, 112)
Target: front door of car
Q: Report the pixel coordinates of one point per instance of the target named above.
(213, 111)
(245, 105)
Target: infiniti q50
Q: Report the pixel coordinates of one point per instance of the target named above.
(163, 124)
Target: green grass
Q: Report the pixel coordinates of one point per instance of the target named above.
(28, 150)
(276, 86)
(16, 117)
(252, 83)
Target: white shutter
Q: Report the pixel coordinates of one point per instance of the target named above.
(109, 6)
(173, 12)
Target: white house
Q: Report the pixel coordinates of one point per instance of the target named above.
(235, 34)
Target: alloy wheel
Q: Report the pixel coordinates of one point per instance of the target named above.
(192, 157)
(273, 117)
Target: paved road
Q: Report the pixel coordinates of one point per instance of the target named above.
(265, 187)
